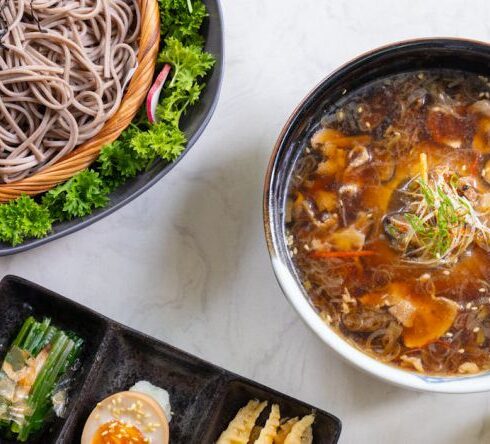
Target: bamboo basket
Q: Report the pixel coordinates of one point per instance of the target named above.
(85, 154)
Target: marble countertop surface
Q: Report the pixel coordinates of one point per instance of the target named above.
(187, 262)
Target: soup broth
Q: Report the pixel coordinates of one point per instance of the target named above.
(388, 220)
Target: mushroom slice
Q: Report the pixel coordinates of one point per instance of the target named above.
(358, 156)
(445, 128)
(347, 239)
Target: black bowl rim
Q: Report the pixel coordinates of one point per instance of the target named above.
(271, 218)
(80, 223)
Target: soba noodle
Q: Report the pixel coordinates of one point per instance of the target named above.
(64, 65)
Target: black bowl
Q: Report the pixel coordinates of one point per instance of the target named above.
(414, 55)
(193, 125)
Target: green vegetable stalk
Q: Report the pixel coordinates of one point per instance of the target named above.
(37, 360)
(138, 146)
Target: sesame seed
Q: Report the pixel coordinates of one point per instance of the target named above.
(461, 350)
(359, 109)
(476, 329)
(425, 277)
(344, 92)
(482, 290)
(468, 305)
(420, 76)
(449, 334)
(474, 308)
(446, 272)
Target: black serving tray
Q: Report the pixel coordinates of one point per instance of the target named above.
(204, 397)
(193, 124)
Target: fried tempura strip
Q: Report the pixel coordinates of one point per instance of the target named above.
(239, 429)
(301, 432)
(284, 430)
(269, 432)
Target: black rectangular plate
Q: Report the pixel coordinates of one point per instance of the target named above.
(204, 397)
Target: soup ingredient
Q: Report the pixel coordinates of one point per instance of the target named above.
(389, 220)
(424, 316)
(160, 395)
(38, 359)
(439, 222)
(243, 430)
(139, 145)
(127, 417)
(61, 82)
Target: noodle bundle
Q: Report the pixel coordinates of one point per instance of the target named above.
(64, 65)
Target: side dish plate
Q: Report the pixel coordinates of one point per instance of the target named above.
(204, 397)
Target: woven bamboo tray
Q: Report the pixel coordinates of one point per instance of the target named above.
(85, 154)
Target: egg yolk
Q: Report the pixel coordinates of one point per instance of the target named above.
(117, 432)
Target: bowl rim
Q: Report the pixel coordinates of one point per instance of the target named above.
(289, 283)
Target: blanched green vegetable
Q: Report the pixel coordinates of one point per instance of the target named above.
(37, 360)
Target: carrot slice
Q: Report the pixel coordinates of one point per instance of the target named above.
(327, 254)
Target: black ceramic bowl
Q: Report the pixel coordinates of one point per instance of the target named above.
(193, 125)
(401, 57)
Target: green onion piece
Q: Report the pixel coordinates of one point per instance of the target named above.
(24, 418)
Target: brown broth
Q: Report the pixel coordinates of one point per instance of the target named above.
(364, 277)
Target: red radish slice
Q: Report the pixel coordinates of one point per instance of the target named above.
(154, 94)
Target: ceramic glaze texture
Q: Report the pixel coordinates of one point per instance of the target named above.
(187, 261)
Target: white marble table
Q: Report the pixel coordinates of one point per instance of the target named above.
(187, 261)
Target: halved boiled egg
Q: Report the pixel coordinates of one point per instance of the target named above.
(126, 418)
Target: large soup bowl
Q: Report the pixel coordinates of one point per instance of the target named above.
(465, 55)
